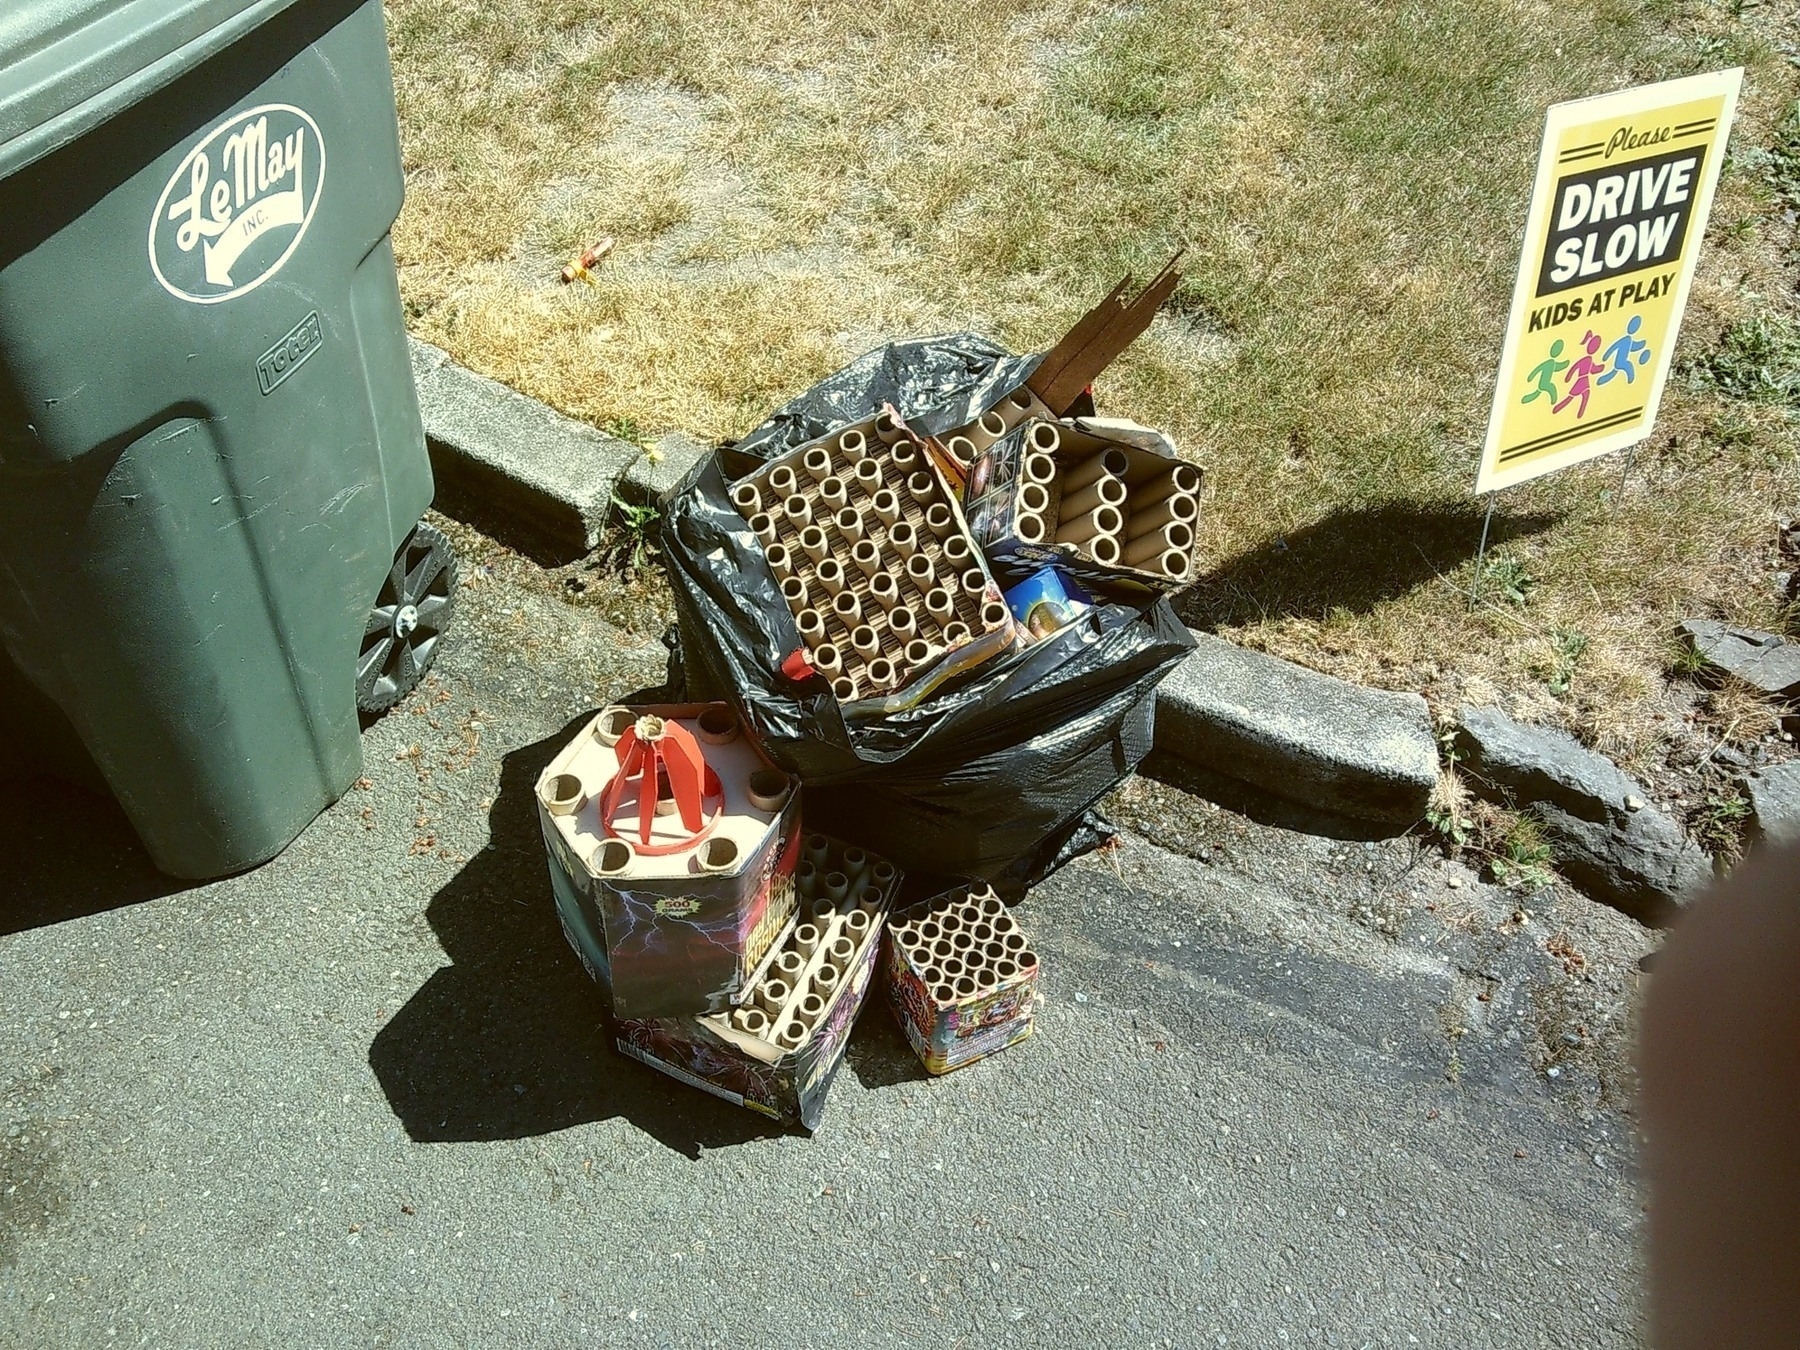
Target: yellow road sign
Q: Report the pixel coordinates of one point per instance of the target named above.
(1624, 184)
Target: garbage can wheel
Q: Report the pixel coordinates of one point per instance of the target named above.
(400, 640)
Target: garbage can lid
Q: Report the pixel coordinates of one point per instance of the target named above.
(68, 65)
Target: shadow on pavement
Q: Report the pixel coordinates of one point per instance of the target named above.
(1351, 559)
(878, 1053)
(66, 853)
(508, 1041)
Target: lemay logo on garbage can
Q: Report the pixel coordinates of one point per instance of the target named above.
(238, 204)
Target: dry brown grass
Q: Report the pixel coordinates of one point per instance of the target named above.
(790, 186)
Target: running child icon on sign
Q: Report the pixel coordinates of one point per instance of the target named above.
(1580, 376)
(1625, 350)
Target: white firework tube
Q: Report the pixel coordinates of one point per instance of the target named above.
(901, 623)
(974, 582)
(939, 520)
(994, 616)
(1100, 520)
(1176, 564)
(1102, 464)
(718, 854)
(844, 689)
(919, 653)
(884, 590)
(1039, 468)
(817, 463)
(831, 492)
(1044, 437)
(867, 557)
(747, 499)
(1103, 549)
(939, 605)
(830, 573)
(903, 538)
(847, 607)
(850, 523)
(868, 476)
(887, 429)
(882, 673)
(1035, 498)
(793, 590)
(826, 659)
(782, 481)
(957, 552)
(962, 448)
(812, 539)
(866, 641)
(763, 525)
(904, 455)
(798, 511)
(1183, 478)
(780, 561)
(886, 506)
(920, 487)
(1101, 492)
(1178, 506)
(853, 445)
(1030, 528)
(1173, 537)
(920, 571)
(811, 624)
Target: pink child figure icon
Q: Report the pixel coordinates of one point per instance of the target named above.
(1580, 376)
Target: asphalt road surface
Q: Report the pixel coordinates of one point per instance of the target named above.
(358, 1096)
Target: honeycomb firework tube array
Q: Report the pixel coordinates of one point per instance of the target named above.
(874, 561)
(842, 894)
(961, 976)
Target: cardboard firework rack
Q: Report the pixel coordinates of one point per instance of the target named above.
(1106, 500)
(961, 978)
(866, 538)
(674, 897)
(778, 1051)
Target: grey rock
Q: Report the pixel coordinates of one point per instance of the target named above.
(1765, 661)
(514, 467)
(1365, 754)
(1632, 856)
(1775, 804)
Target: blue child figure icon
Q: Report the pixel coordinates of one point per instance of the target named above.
(1625, 351)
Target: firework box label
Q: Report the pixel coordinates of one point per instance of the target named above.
(1624, 185)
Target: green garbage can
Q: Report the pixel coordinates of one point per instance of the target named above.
(212, 464)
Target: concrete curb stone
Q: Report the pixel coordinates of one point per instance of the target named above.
(1775, 804)
(523, 472)
(1364, 754)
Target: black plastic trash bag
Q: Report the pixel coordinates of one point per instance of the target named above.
(992, 778)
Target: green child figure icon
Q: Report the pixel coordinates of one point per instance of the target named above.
(1544, 375)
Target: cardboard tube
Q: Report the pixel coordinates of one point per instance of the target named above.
(943, 949)
(718, 854)
(886, 506)
(1106, 491)
(919, 653)
(856, 924)
(868, 476)
(992, 905)
(1177, 506)
(882, 873)
(920, 572)
(614, 857)
(843, 948)
(816, 849)
(806, 879)
(1020, 398)
(1027, 961)
(888, 428)
(811, 624)
(717, 726)
(956, 635)
(965, 987)
(753, 1021)
(901, 623)
(563, 795)
(822, 912)
(1014, 942)
(881, 672)
(771, 994)
(613, 723)
(812, 540)
(920, 487)
(962, 448)
(827, 660)
(797, 510)
(825, 981)
(1099, 465)
(1045, 437)
(1103, 549)
(866, 641)
(974, 582)
(983, 932)
(793, 590)
(780, 560)
(830, 574)
(782, 481)
(854, 445)
(817, 463)
(939, 605)
(939, 520)
(1080, 529)
(837, 886)
(1183, 478)
(1176, 564)
(810, 1008)
(1030, 528)
(847, 607)
(792, 1036)
(1173, 536)
(845, 689)
(789, 965)
(747, 499)
(762, 525)
(867, 557)
(1039, 467)
(856, 862)
(903, 538)
(1035, 498)
(770, 789)
(929, 931)
(994, 616)
(904, 457)
(958, 553)
(884, 590)
(806, 938)
(832, 493)
(993, 952)
(1005, 969)
(944, 995)
(952, 966)
(993, 424)
(850, 523)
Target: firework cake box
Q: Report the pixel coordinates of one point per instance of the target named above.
(1106, 500)
(672, 846)
(777, 1052)
(961, 978)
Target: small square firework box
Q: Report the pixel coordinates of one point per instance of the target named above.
(961, 978)
(778, 1051)
(671, 845)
